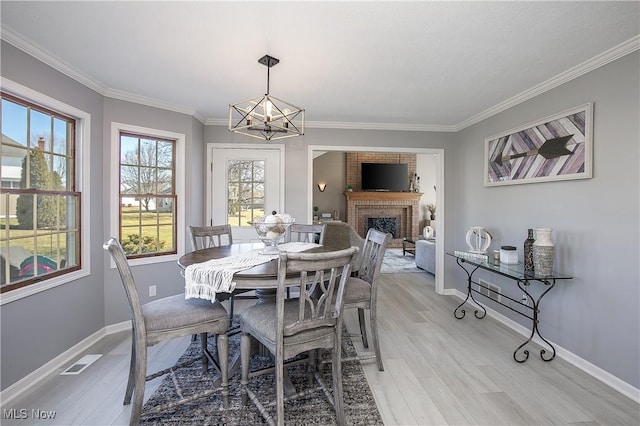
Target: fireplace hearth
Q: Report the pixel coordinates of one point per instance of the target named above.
(403, 206)
(385, 224)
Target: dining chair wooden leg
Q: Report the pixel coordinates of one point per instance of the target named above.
(363, 327)
(245, 348)
(131, 380)
(374, 336)
(223, 357)
(141, 373)
(337, 379)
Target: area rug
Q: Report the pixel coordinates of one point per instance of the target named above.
(395, 263)
(359, 404)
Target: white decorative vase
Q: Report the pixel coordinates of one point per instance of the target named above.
(427, 232)
(543, 250)
(478, 239)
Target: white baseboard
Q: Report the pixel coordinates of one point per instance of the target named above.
(24, 385)
(604, 376)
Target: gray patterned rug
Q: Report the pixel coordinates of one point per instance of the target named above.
(395, 263)
(359, 404)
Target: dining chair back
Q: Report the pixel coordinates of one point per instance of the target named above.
(211, 236)
(362, 290)
(314, 233)
(294, 326)
(165, 319)
(203, 237)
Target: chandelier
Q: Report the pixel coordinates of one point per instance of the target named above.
(266, 117)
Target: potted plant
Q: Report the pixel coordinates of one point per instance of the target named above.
(315, 212)
(432, 211)
(349, 187)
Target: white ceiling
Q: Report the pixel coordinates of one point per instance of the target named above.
(421, 65)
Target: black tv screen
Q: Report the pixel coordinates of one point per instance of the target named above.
(385, 177)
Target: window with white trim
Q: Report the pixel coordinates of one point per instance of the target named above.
(40, 202)
(147, 195)
(148, 192)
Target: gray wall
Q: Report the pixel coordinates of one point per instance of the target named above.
(595, 221)
(165, 275)
(37, 328)
(330, 168)
(296, 153)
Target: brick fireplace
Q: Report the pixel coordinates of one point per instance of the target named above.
(384, 210)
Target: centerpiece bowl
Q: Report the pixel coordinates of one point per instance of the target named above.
(272, 230)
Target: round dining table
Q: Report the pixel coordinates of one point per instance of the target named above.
(262, 278)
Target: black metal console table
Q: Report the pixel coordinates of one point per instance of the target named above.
(523, 279)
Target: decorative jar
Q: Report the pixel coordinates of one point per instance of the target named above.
(543, 251)
(508, 255)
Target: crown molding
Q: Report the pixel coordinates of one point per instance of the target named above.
(11, 37)
(153, 102)
(379, 126)
(355, 126)
(598, 61)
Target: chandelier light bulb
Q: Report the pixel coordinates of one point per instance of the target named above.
(249, 115)
(268, 110)
(285, 118)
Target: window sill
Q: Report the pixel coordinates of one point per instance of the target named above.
(150, 260)
(30, 290)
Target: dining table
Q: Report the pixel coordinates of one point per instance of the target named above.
(262, 278)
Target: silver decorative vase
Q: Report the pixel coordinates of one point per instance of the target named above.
(543, 250)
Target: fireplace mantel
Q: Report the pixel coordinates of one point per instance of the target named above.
(403, 205)
(382, 196)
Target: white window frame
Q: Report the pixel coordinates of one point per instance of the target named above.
(180, 173)
(82, 162)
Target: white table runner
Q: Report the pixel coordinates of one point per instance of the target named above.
(204, 280)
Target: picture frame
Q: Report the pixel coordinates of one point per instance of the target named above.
(557, 147)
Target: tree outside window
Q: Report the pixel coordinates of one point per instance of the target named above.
(147, 195)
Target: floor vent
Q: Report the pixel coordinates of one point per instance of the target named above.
(493, 291)
(80, 365)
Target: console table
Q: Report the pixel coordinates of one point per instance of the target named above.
(523, 279)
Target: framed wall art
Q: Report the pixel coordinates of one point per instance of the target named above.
(558, 147)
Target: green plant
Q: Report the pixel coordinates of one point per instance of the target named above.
(131, 244)
(315, 209)
(348, 186)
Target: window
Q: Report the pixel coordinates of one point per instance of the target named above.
(246, 191)
(148, 192)
(147, 195)
(40, 203)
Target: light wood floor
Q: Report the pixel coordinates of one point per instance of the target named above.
(438, 371)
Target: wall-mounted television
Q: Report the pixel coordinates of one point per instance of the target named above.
(385, 177)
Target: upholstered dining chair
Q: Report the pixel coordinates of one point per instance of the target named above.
(362, 290)
(165, 319)
(294, 326)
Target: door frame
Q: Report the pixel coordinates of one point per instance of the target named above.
(208, 214)
(438, 152)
